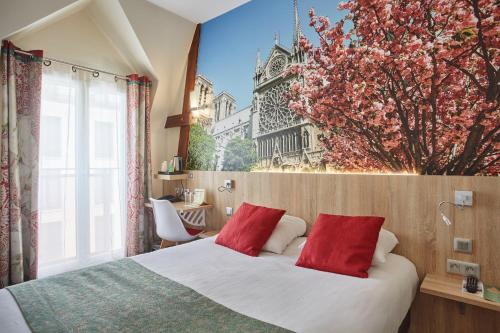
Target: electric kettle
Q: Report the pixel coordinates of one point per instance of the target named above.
(178, 166)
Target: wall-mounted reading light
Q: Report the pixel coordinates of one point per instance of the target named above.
(445, 218)
(228, 186)
(462, 199)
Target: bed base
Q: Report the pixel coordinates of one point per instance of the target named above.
(405, 325)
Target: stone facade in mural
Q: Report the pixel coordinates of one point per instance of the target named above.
(280, 138)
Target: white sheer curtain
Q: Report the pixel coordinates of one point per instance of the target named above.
(82, 188)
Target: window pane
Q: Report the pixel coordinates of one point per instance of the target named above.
(82, 170)
(57, 229)
(106, 215)
(52, 136)
(104, 143)
(57, 216)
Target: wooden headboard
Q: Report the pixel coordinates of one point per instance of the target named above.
(408, 202)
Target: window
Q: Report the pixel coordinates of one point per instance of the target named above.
(82, 191)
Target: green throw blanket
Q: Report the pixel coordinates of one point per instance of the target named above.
(123, 296)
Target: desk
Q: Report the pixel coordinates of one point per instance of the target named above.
(194, 215)
(449, 288)
(182, 207)
(208, 233)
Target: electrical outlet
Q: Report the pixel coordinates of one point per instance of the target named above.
(462, 267)
(471, 269)
(228, 184)
(452, 266)
(463, 198)
(462, 245)
(229, 211)
(190, 175)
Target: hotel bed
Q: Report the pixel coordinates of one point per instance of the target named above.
(272, 290)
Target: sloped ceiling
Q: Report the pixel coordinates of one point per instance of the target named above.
(110, 18)
(17, 15)
(199, 11)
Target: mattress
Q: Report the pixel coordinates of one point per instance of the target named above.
(272, 289)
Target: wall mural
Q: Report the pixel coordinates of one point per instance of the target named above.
(385, 86)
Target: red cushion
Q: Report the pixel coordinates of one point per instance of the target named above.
(193, 232)
(341, 244)
(249, 228)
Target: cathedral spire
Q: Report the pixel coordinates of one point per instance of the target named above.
(258, 64)
(297, 31)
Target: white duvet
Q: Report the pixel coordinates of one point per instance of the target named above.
(272, 289)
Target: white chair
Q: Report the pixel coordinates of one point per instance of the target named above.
(169, 225)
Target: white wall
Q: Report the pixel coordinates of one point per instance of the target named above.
(166, 38)
(75, 39)
(17, 14)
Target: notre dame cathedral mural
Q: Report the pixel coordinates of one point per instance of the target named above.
(279, 137)
(339, 94)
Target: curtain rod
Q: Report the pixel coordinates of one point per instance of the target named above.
(74, 67)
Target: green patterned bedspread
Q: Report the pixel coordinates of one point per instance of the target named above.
(123, 296)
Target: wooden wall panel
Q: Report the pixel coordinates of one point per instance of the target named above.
(409, 204)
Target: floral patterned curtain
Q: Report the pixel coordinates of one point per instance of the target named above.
(139, 227)
(20, 97)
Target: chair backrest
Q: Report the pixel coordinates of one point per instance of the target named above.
(168, 223)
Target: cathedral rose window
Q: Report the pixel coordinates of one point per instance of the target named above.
(277, 65)
(274, 111)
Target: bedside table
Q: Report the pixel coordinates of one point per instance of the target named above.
(449, 288)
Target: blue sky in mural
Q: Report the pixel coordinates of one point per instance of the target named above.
(229, 43)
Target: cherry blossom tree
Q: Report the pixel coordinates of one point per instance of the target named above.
(413, 86)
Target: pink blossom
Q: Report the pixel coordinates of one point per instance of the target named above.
(406, 94)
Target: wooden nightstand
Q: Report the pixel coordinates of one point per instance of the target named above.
(449, 288)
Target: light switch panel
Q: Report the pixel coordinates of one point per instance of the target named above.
(463, 198)
(229, 211)
(462, 245)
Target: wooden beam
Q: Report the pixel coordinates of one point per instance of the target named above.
(176, 121)
(184, 120)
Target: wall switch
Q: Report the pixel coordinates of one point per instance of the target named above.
(462, 268)
(229, 211)
(462, 245)
(463, 198)
(228, 184)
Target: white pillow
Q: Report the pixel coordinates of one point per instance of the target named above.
(287, 229)
(386, 242)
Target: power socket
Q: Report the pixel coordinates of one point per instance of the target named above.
(462, 268)
(228, 183)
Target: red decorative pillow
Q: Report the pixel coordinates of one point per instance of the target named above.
(341, 244)
(249, 228)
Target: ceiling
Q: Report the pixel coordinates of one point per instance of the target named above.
(199, 11)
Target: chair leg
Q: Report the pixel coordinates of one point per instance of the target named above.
(164, 244)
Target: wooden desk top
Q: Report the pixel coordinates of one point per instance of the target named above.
(208, 233)
(181, 207)
(452, 289)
